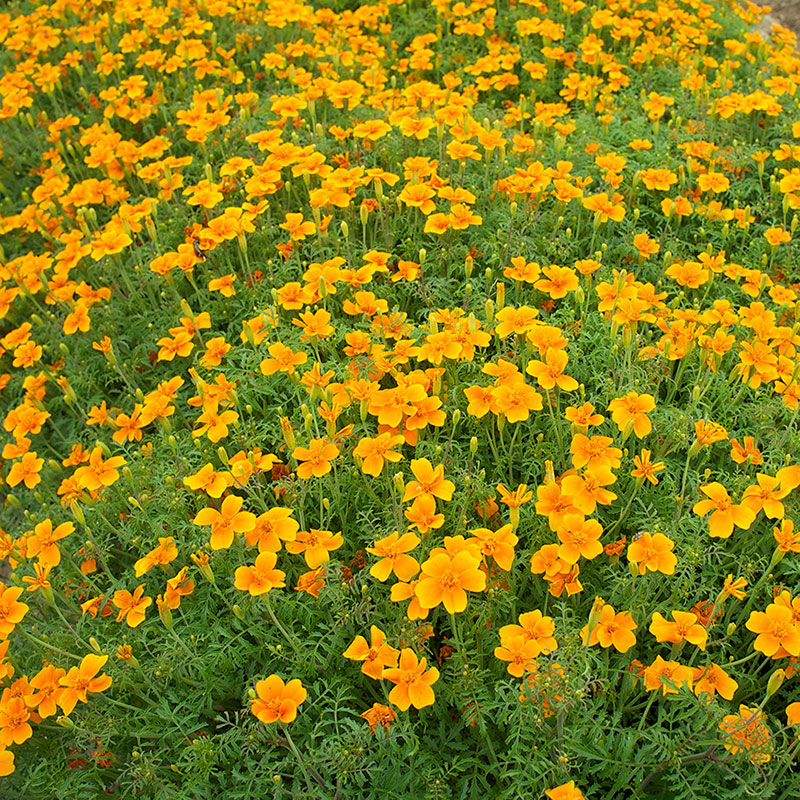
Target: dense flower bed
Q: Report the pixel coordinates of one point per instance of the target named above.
(399, 400)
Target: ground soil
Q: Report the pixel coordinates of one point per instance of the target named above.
(784, 12)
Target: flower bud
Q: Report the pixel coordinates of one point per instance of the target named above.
(76, 510)
(473, 445)
(164, 612)
(237, 612)
(775, 681)
(399, 482)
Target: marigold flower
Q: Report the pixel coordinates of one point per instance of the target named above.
(271, 529)
(631, 410)
(206, 479)
(98, 472)
(393, 552)
(684, 628)
(311, 582)
(82, 679)
(712, 679)
(14, 716)
(498, 545)
(315, 458)
(765, 496)
(379, 714)
(413, 681)
(43, 542)
(261, 577)
(422, 514)
(550, 372)
(583, 416)
(430, 480)
(163, 554)
(11, 610)
(48, 690)
(653, 553)
(377, 655)
(447, 578)
(282, 359)
(132, 607)
(645, 469)
(277, 701)
(520, 653)
(26, 471)
(726, 513)
(611, 629)
(226, 522)
(747, 732)
(667, 676)
(376, 451)
(566, 791)
(580, 537)
(776, 628)
(315, 545)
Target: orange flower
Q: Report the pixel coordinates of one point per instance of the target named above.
(26, 471)
(11, 610)
(316, 458)
(276, 701)
(80, 680)
(44, 539)
(583, 416)
(747, 732)
(533, 627)
(393, 550)
(726, 514)
(422, 514)
(612, 629)
(298, 228)
(667, 676)
(132, 607)
(48, 690)
(379, 714)
(376, 451)
(766, 497)
(261, 577)
(166, 552)
(498, 545)
(550, 372)
(712, 679)
(208, 480)
(520, 653)
(429, 481)
(645, 469)
(315, 545)
(586, 491)
(377, 655)
(566, 791)
(446, 578)
(776, 628)
(14, 716)
(230, 519)
(579, 537)
(271, 528)
(282, 359)
(734, 588)
(653, 553)
(99, 473)
(685, 628)
(412, 681)
(630, 412)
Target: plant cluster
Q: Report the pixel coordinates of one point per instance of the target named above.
(398, 400)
